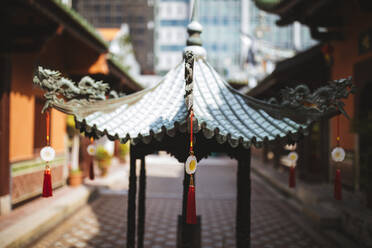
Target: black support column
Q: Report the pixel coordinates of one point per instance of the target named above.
(141, 204)
(131, 224)
(243, 201)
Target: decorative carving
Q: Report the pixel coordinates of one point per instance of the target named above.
(324, 99)
(58, 89)
(189, 66)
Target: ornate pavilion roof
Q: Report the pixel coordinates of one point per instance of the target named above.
(221, 111)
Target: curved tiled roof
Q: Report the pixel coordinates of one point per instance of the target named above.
(221, 112)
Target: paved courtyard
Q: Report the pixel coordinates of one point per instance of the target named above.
(275, 223)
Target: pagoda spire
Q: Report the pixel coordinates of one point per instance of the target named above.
(194, 28)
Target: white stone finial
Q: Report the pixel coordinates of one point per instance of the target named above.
(194, 28)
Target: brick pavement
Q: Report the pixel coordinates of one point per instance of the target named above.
(275, 223)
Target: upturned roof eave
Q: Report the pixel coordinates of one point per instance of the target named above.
(71, 21)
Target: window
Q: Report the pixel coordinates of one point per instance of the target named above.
(174, 22)
(225, 21)
(140, 19)
(97, 7)
(169, 9)
(118, 19)
(180, 10)
(171, 48)
(107, 19)
(138, 31)
(119, 7)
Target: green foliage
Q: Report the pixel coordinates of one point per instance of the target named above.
(75, 171)
(102, 153)
(123, 149)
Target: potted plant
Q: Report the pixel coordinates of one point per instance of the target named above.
(75, 177)
(104, 159)
(123, 152)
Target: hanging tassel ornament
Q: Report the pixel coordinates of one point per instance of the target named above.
(47, 185)
(338, 155)
(91, 149)
(293, 156)
(47, 154)
(190, 167)
(191, 205)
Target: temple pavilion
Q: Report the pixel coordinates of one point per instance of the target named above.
(157, 118)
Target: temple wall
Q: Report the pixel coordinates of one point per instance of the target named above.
(345, 56)
(22, 102)
(22, 112)
(58, 130)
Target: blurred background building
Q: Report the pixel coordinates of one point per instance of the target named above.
(171, 19)
(243, 42)
(221, 22)
(109, 15)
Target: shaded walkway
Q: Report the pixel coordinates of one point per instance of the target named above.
(102, 224)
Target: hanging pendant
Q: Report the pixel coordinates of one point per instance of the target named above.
(338, 154)
(293, 157)
(191, 165)
(91, 149)
(47, 153)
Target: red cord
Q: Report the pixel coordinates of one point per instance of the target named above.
(338, 131)
(47, 118)
(191, 131)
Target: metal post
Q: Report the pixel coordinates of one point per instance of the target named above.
(141, 204)
(243, 206)
(131, 224)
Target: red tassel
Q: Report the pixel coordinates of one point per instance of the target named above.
(292, 177)
(47, 186)
(338, 188)
(91, 170)
(191, 206)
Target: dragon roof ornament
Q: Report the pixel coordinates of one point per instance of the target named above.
(58, 89)
(324, 100)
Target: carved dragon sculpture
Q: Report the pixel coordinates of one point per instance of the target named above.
(59, 88)
(327, 98)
